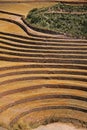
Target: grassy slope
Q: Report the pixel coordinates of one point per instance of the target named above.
(71, 24)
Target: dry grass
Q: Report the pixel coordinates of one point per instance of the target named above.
(23, 8)
(11, 28)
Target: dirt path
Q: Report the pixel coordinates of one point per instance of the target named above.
(62, 12)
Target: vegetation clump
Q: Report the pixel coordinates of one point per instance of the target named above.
(62, 18)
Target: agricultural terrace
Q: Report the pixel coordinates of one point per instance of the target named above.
(43, 72)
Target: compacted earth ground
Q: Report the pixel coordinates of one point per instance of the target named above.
(56, 126)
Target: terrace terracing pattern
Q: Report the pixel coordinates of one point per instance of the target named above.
(43, 77)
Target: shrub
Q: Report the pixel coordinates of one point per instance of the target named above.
(74, 25)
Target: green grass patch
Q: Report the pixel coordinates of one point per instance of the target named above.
(72, 23)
